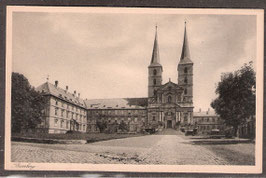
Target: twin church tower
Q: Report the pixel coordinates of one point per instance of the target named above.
(171, 103)
(168, 105)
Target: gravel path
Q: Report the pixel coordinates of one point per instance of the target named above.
(168, 147)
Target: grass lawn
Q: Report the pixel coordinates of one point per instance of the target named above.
(90, 137)
(236, 154)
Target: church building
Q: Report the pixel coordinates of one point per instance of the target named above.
(168, 105)
(171, 103)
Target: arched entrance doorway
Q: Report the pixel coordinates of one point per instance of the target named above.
(169, 119)
(169, 124)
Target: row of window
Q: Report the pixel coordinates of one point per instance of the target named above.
(70, 107)
(136, 119)
(170, 99)
(70, 114)
(116, 112)
(207, 119)
(209, 127)
(66, 125)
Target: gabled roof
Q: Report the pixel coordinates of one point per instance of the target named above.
(50, 89)
(169, 83)
(185, 55)
(117, 103)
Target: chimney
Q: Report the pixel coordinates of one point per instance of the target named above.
(66, 88)
(56, 83)
(199, 109)
(208, 111)
(78, 94)
(75, 93)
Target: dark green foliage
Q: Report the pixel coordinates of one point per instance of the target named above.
(236, 96)
(102, 125)
(27, 105)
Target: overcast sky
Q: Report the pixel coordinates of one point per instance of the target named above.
(107, 55)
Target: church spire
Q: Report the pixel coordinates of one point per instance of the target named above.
(155, 59)
(185, 50)
(185, 55)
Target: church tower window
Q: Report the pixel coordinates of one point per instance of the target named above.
(185, 80)
(154, 72)
(185, 70)
(169, 99)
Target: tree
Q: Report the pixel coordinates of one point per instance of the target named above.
(236, 96)
(27, 105)
(123, 126)
(102, 125)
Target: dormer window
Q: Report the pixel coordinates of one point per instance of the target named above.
(154, 72)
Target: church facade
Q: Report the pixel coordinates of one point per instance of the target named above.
(171, 103)
(168, 105)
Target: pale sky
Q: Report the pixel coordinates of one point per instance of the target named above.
(107, 55)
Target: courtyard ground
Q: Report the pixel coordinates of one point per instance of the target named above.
(167, 147)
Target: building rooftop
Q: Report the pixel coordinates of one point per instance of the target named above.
(50, 89)
(117, 103)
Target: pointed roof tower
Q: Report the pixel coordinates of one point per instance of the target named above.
(185, 55)
(155, 59)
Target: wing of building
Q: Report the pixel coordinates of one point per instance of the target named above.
(64, 110)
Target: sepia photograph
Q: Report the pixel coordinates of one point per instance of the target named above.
(134, 89)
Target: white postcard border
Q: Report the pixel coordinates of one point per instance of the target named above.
(138, 168)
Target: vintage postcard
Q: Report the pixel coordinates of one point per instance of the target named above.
(134, 89)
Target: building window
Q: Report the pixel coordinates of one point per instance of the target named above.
(55, 122)
(62, 104)
(185, 91)
(153, 118)
(62, 112)
(185, 70)
(185, 80)
(67, 124)
(154, 81)
(56, 111)
(67, 114)
(154, 92)
(154, 72)
(169, 99)
(61, 123)
(56, 102)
